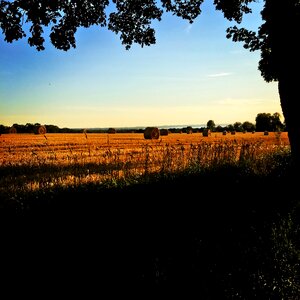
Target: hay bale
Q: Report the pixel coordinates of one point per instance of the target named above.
(206, 132)
(40, 129)
(163, 131)
(224, 132)
(266, 133)
(151, 133)
(12, 130)
(253, 131)
(233, 132)
(111, 130)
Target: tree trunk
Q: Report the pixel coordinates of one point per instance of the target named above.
(289, 93)
(285, 31)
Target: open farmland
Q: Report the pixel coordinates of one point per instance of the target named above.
(215, 231)
(32, 162)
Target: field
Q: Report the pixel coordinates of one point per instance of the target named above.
(31, 162)
(223, 225)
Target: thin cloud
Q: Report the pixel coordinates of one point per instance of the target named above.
(235, 102)
(222, 74)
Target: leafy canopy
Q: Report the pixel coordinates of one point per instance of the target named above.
(132, 19)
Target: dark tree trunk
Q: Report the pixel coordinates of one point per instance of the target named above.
(282, 63)
(289, 92)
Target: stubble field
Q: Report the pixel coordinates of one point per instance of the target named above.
(31, 162)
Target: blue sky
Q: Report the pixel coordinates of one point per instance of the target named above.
(191, 75)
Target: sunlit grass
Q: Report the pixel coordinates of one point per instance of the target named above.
(43, 162)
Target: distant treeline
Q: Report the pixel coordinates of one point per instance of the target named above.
(263, 122)
(31, 128)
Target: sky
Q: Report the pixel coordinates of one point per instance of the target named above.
(191, 75)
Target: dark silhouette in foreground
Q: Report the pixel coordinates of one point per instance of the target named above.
(215, 235)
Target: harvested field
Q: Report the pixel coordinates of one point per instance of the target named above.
(16, 148)
(32, 162)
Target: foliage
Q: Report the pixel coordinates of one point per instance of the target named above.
(211, 125)
(281, 25)
(238, 126)
(248, 126)
(281, 279)
(268, 122)
(132, 19)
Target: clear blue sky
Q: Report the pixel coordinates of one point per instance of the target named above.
(191, 75)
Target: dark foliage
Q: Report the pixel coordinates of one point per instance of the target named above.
(218, 235)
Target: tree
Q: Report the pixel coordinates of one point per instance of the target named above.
(263, 122)
(266, 121)
(276, 123)
(238, 126)
(3, 129)
(211, 125)
(279, 58)
(219, 128)
(132, 19)
(29, 127)
(230, 127)
(248, 126)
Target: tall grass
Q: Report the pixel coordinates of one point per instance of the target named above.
(48, 166)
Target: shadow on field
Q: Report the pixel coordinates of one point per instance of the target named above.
(206, 234)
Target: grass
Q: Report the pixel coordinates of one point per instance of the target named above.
(216, 218)
(30, 163)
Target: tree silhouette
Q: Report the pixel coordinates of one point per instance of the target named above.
(263, 122)
(131, 19)
(211, 125)
(248, 126)
(266, 121)
(276, 40)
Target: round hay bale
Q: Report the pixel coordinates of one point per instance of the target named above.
(266, 133)
(40, 129)
(253, 131)
(12, 130)
(233, 132)
(163, 131)
(224, 132)
(151, 133)
(206, 132)
(111, 130)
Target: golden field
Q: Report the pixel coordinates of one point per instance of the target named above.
(30, 162)
(61, 147)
